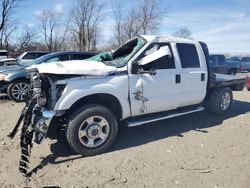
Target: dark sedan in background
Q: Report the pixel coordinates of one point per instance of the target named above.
(13, 78)
(245, 63)
(219, 64)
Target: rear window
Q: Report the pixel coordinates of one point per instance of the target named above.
(188, 56)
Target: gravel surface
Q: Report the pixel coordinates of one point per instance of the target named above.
(196, 150)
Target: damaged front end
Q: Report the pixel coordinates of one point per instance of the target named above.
(36, 119)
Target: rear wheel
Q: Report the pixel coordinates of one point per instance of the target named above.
(91, 130)
(220, 100)
(18, 89)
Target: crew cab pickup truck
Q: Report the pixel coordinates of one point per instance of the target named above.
(149, 78)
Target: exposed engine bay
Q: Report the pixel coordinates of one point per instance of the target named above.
(44, 94)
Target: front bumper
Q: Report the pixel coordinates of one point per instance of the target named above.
(42, 119)
(3, 86)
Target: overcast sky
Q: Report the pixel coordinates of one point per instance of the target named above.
(223, 24)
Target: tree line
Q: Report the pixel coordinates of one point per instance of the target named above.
(82, 29)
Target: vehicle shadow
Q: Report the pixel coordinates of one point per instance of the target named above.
(4, 98)
(133, 137)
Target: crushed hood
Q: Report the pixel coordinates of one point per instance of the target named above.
(81, 67)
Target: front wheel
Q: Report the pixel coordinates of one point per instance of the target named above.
(91, 130)
(221, 100)
(18, 89)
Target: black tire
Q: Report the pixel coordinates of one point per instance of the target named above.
(248, 89)
(216, 100)
(12, 86)
(75, 122)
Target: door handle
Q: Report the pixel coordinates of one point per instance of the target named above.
(177, 78)
(202, 77)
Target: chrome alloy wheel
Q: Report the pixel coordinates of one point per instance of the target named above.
(94, 131)
(19, 90)
(225, 101)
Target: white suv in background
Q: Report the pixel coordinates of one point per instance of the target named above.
(23, 58)
(3, 54)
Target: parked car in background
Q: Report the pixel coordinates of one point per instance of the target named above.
(13, 79)
(245, 64)
(3, 54)
(219, 64)
(24, 57)
(234, 59)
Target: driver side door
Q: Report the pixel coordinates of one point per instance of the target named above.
(155, 93)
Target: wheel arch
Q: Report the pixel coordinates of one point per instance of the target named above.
(109, 101)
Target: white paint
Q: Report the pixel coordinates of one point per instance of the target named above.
(80, 67)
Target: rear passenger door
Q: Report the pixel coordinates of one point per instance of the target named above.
(193, 76)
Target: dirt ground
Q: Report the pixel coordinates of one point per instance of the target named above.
(196, 150)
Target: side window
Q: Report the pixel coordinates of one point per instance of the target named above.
(30, 56)
(54, 59)
(165, 62)
(188, 56)
(212, 59)
(79, 56)
(221, 59)
(64, 57)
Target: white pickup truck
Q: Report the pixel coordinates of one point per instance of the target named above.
(147, 79)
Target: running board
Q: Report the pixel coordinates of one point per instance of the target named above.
(157, 117)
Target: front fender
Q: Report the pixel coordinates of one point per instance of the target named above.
(75, 90)
(15, 76)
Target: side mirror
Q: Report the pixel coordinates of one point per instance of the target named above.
(163, 51)
(136, 68)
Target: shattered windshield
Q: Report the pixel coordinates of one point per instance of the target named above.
(122, 55)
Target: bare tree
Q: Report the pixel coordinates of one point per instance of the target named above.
(26, 38)
(183, 33)
(53, 31)
(6, 33)
(150, 13)
(6, 9)
(141, 19)
(86, 15)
